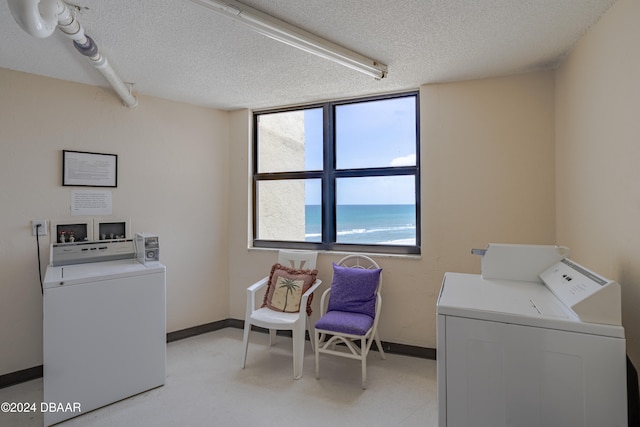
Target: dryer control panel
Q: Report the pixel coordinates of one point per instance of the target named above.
(84, 252)
(592, 297)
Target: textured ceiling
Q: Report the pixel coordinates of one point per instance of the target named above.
(178, 50)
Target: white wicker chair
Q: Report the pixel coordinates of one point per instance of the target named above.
(349, 327)
(275, 320)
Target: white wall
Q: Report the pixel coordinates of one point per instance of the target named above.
(172, 180)
(598, 156)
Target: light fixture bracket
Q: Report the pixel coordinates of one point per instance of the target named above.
(284, 32)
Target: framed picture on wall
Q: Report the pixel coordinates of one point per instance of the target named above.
(83, 169)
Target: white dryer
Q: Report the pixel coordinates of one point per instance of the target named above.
(544, 351)
(104, 327)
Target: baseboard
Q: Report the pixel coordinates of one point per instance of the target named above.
(408, 350)
(198, 330)
(22, 376)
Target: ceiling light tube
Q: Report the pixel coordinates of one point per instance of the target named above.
(293, 36)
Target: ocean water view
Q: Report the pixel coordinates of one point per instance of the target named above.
(366, 224)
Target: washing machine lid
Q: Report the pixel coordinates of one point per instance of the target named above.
(515, 302)
(91, 272)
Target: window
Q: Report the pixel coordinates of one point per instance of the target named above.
(341, 175)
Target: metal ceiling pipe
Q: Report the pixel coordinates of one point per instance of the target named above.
(40, 18)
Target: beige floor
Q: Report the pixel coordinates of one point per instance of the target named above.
(206, 387)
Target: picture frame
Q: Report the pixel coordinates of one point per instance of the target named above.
(86, 169)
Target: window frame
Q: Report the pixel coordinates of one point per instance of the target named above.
(329, 175)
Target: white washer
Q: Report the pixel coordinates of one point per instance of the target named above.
(529, 353)
(104, 327)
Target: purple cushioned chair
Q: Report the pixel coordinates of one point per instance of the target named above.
(351, 314)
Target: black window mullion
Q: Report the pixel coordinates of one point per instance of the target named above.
(417, 174)
(329, 180)
(254, 182)
(288, 175)
(356, 173)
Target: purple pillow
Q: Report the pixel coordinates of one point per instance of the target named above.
(354, 290)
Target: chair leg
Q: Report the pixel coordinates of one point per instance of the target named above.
(298, 351)
(245, 342)
(363, 355)
(311, 330)
(316, 339)
(272, 336)
(382, 355)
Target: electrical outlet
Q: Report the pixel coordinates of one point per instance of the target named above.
(42, 230)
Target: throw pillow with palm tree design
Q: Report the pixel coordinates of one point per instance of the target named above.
(286, 287)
